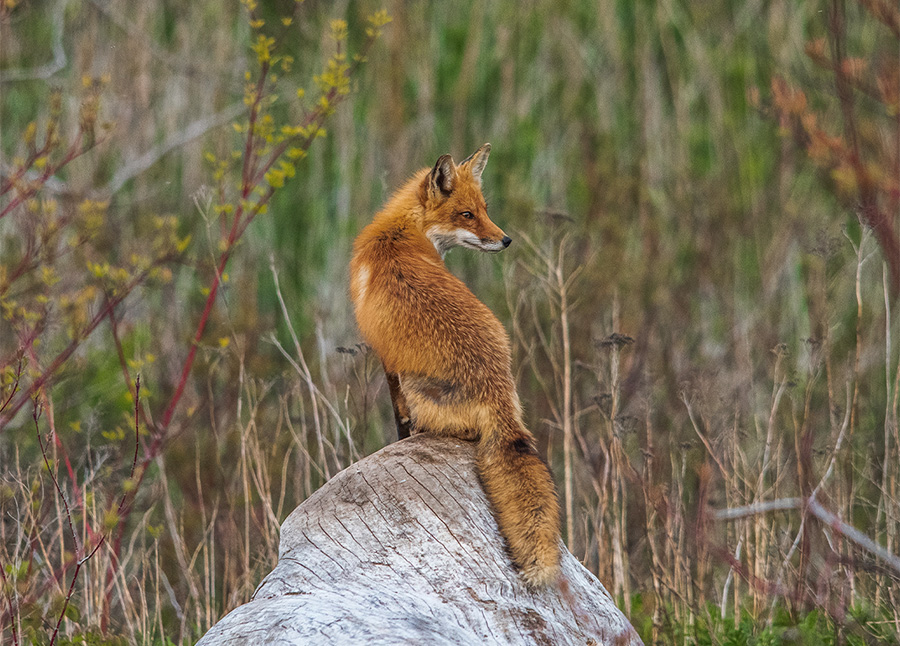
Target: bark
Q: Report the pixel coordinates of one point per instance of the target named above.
(402, 548)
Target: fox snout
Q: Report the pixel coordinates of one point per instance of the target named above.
(493, 244)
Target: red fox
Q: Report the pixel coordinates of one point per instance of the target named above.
(446, 355)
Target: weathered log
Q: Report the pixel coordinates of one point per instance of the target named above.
(401, 548)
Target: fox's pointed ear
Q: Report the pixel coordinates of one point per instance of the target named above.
(442, 177)
(477, 161)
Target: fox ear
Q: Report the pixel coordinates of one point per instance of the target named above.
(442, 176)
(477, 161)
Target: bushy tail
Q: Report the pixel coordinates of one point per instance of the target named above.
(520, 488)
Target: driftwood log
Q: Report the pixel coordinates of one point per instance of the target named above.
(401, 548)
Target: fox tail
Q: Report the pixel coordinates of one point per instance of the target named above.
(520, 488)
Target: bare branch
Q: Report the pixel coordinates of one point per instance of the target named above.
(193, 130)
(816, 509)
(854, 535)
(756, 509)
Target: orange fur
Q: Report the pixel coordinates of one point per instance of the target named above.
(449, 352)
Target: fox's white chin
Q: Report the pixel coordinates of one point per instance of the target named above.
(444, 241)
(492, 247)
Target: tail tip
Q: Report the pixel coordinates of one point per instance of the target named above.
(540, 575)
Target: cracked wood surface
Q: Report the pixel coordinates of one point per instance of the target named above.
(401, 548)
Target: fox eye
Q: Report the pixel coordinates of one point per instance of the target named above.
(468, 215)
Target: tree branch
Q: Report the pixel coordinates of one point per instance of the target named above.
(814, 507)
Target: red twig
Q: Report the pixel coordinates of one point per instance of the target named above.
(74, 151)
(137, 432)
(11, 181)
(15, 387)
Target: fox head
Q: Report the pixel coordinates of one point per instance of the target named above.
(455, 213)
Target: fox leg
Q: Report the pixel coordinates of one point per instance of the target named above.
(398, 401)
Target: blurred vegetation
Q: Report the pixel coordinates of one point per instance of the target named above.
(704, 201)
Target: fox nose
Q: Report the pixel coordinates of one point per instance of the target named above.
(506, 241)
